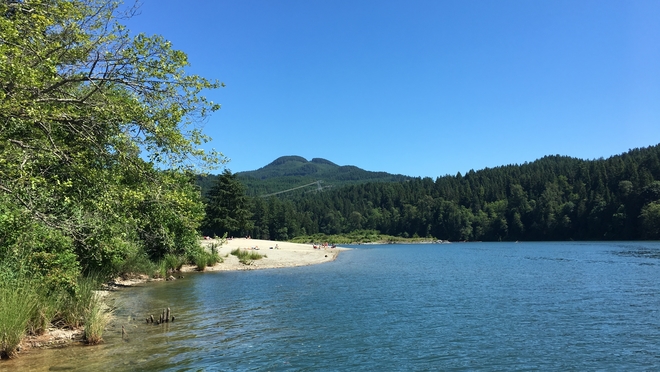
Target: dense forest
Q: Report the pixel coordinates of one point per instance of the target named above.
(553, 198)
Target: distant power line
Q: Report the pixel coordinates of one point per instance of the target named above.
(317, 183)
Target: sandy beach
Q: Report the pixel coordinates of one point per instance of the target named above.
(285, 255)
(276, 254)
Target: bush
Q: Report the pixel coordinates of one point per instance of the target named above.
(201, 260)
(136, 263)
(173, 262)
(246, 257)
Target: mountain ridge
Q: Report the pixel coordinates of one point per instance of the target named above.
(291, 171)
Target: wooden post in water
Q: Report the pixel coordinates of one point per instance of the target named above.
(151, 318)
(167, 317)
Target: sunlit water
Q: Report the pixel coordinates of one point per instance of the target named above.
(471, 306)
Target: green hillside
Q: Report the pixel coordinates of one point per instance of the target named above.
(291, 172)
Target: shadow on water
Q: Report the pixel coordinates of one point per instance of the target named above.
(642, 250)
(638, 252)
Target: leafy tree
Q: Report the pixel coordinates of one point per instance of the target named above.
(89, 113)
(650, 220)
(227, 209)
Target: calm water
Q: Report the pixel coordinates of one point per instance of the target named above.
(472, 306)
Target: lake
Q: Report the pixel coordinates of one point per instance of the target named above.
(460, 306)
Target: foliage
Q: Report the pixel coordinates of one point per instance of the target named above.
(553, 198)
(356, 237)
(100, 143)
(83, 103)
(650, 220)
(227, 208)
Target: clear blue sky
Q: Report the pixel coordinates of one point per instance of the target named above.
(421, 88)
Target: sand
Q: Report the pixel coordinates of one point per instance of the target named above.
(285, 255)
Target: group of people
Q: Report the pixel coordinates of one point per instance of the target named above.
(324, 246)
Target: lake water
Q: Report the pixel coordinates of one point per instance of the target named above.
(461, 306)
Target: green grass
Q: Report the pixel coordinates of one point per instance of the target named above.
(18, 302)
(95, 321)
(27, 307)
(46, 308)
(200, 259)
(246, 257)
(168, 265)
(74, 308)
(203, 259)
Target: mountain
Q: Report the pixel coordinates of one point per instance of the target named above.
(293, 172)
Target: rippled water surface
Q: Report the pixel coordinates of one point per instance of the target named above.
(471, 306)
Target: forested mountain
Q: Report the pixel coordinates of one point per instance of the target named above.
(288, 172)
(553, 198)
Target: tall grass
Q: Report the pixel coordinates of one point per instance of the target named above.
(95, 321)
(46, 308)
(173, 263)
(27, 307)
(75, 307)
(200, 259)
(246, 257)
(203, 259)
(17, 305)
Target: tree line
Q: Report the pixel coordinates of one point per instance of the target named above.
(553, 198)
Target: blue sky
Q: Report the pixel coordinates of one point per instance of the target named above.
(421, 88)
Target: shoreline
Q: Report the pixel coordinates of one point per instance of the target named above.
(285, 255)
(275, 254)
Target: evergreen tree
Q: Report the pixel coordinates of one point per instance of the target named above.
(228, 208)
(553, 198)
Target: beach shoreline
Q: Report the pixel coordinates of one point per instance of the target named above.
(276, 255)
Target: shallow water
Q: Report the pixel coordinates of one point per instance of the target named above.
(489, 306)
